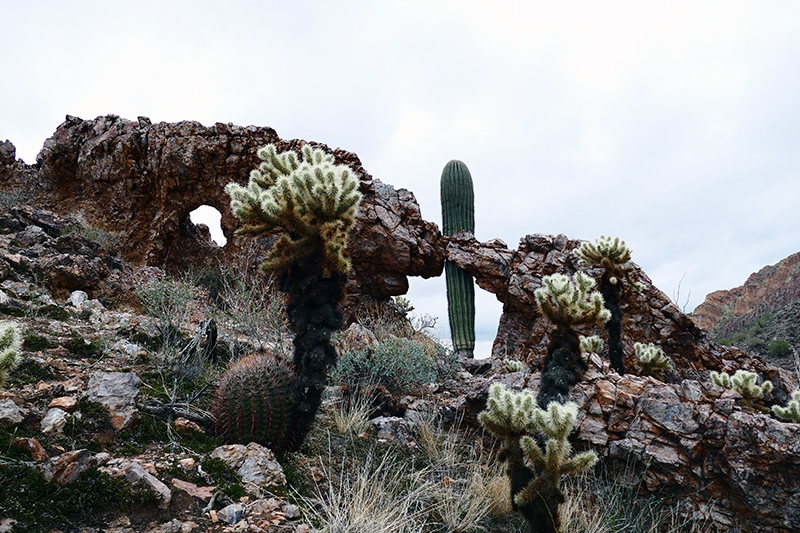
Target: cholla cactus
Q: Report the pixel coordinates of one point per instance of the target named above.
(744, 383)
(593, 344)
(567, 301)
(512, 365)
(611, 255)
(315, 201)
(10, 342)
(790, 413)
(651, 359)
(514, 417)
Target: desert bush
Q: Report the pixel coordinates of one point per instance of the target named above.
(167, 300)
(250, 308)
(397, 364)
(779, 348)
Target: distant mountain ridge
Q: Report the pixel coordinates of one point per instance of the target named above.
(773, 290)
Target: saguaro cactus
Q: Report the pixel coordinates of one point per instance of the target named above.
(458, 213)
(316, 202)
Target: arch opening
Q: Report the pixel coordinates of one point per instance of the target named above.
(211, 217)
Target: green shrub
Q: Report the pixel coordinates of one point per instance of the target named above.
(754, 343)
(779, 348)
(738, 337)
(397, 364)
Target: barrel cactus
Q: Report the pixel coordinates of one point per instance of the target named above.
(458, 214)
(253, 403)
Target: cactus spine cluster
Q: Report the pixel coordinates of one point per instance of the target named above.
(567, 302)
(745, 383)
(651, 359)
(458, 214)
(593, 344)
(790, 413)
(10, 342)
(611, 255)
(253, 403)
(315, 201)
(534, 468)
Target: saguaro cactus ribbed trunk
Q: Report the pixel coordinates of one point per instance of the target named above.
(458, 213)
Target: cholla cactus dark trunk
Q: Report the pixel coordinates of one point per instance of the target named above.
(563, 367)
(313, 312)
(542, 513)
(611, 296)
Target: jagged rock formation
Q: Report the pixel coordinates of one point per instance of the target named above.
(650, 316)
(768, 290)
(140, 181)
(689, 442)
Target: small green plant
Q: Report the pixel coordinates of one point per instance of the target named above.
(651, 359)
(10, 342)
(779, 348)
(167, 300)
(12, 197)
(397, 364)
(593, 344)
(512, 365)
(567, 302)
(744, 383)
(790, 413)
(611, 255)
(253, 403)
(535, 471)
(458, 214)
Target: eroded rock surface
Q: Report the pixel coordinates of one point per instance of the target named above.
(140, 181)
(690, 442)
(650, 316)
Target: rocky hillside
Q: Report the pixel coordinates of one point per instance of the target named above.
(762, 312)
(126, 440)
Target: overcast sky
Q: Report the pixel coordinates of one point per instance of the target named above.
(674, 125)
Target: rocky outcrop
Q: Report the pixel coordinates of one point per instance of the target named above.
(139, 181)
(771, 288)
(689, 442)
(650, 316)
